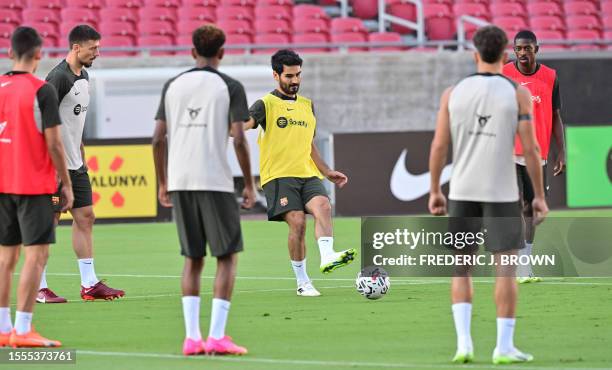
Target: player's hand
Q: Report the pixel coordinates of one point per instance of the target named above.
(559, 165)
(67, 198)
(337, 178)
(437, 203)
(164, 196)
(540, 210)
(248, 197)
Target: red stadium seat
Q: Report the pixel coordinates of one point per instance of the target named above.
(437, 2)
(282, 39)
(45, 4)
(584, 35)
(309, 11)
(583, 22)
(87, 4)
(115, 28)
(606, 7)
(244, 3)
(310, 26)
(385, 37)
(439, 23)
(200, 3)
(547, 22)
(6, 30)
(273, 12)
(285, 3)
(184, 40)
(350, 37)
(544, 8)
(311, 38)
(507, 9)
(162, 3)
(484, 2)
(10, 16)
(41, 16)
(264, 26)
(12, 4)
(497, 2)
(203, 14)
(78, 15)
(157, 14)
(550, 36)
(123, 4)
(157, 41)
(156, 28)
(347, 25)
(239, 27)
(511, 25)
(606, 20)
(46, 29)
(237, 39)
(234, 12)
(117, 41)
(365, 9)
(608, 36)
(580, 8)
(184, 28)
(119, 14)
(475, 10)
(402, 9)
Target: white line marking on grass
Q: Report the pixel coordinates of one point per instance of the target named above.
(248, 359)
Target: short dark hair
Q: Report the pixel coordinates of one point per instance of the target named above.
(285, 57)
(207, 40)
(82, 33)
(490, 41)
(24, 42)
(526, 35)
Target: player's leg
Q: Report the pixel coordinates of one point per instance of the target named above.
(525, 273)
(46, 295)
(225, 242)
(318, 205)
(10, 239)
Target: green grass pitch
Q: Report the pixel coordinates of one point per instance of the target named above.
(565, 323)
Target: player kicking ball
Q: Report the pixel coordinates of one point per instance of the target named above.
(291, 169)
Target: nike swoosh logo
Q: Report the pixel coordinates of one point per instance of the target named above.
(5, 84)
(76, 93)
(406, 186)
(289, 110)
(525, 83)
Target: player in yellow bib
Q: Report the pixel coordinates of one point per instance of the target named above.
(291, 169)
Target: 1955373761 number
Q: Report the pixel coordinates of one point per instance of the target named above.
(43, 355)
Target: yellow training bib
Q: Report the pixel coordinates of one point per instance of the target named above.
(285, 145)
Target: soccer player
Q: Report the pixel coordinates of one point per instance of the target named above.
(31, 155)
(543, 84)
(71, 82)
(290, 168)
(481, 116)
(198, 109)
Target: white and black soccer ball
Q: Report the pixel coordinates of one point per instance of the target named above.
(373, 282)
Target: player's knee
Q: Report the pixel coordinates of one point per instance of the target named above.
(297, 223)
(85, 219)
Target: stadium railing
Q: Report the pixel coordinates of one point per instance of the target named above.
(418, 26)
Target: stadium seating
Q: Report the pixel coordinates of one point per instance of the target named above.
(118, 28)
(549, 35)
(200, 3)
(507, 9)
(584, 35)
(277, 38)
(349, 37)
(402, 9)
(238, 27)
(87, 4)
(511, 25)
(439, 22)
(5, 30)
(606, 21)
(267, 26)
(310, 26)
(583, 22)
(119, 14)
(123, 3)
(45, 4)
(385, 37)
(580, 8)
(202, 14)
(311, 38)
(347, 25)
(237, 39)
(41, 16)
(157, 14)
(12, 4)
(118, 41)
(10, 17)
(309, 11)
(78, 15)
(156, 28)
(547, 22)
(273, 12)
(544, 8)
(365, 9)
(157, 40)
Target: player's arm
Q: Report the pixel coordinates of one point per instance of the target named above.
(160, 158)
(241, 147)
(437, 156)
(557, 131)
(336, 177)
(531, 152)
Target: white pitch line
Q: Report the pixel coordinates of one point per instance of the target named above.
(275, 361)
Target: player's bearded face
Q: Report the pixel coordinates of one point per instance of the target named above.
(88, 52)
(289, 81)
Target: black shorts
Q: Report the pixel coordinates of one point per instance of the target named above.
(525, 186)
(207, 217)
(291, 194)
(81, 187)
(26, 219)
(501, 223)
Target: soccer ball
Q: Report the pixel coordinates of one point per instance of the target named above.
(373, 282)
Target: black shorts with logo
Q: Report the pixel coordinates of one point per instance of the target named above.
(291, 194)
(524, 183)
(81, 187)
(501, 223)
(209, 217)
(26, 219)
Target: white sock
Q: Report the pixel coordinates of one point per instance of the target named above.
(5, 320)
(43, 279)
(88, 273)
(218, 318)
(23, 322)
(299, 268)
(462, 314)
(191, 314)
(525, 271)
(505, 335)
(326, 246)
